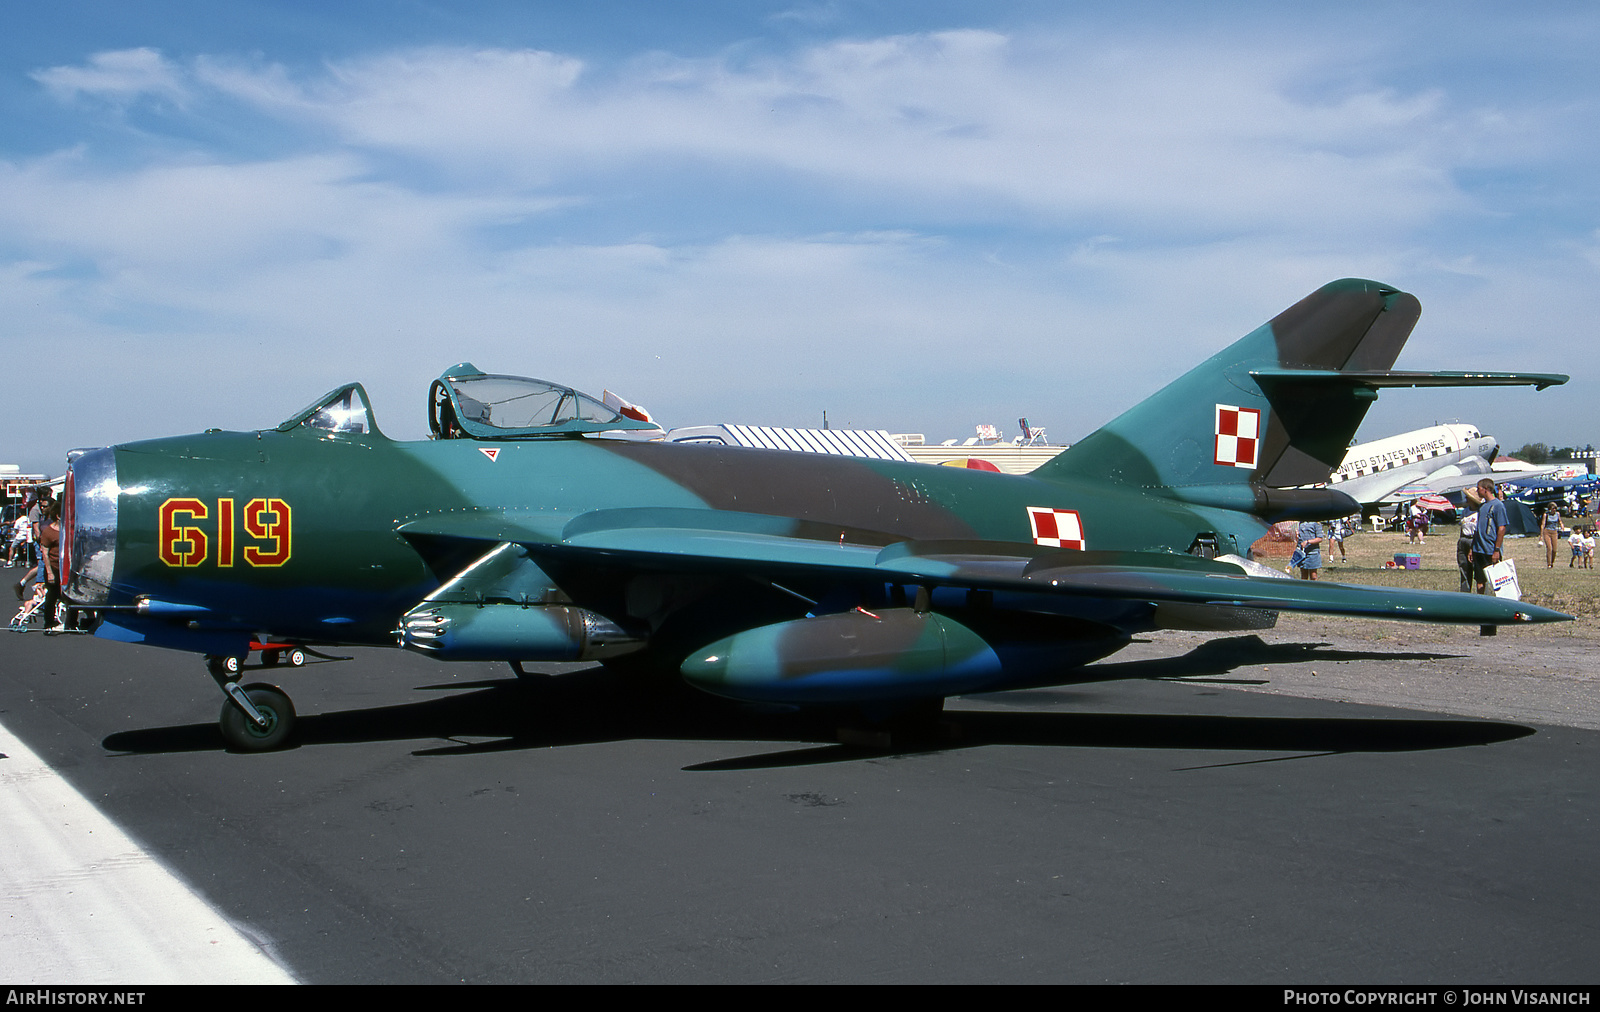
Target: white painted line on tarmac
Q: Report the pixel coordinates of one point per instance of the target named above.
(81, 903)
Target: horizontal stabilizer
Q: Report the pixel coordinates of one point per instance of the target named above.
(1304, 400)
(1272, 380)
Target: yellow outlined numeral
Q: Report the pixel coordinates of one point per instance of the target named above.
(225, 533)
(274, 529)
(182, 546)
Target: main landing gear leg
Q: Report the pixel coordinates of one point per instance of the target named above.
(255, 718)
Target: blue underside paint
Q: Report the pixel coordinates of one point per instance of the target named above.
(159, 633)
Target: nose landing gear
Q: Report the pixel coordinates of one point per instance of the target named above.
(255, 718)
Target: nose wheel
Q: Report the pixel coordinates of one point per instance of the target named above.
(255, 718)
(243, 731)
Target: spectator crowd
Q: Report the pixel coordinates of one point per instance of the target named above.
(35, 544)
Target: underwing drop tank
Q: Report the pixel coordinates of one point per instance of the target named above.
(851, 657)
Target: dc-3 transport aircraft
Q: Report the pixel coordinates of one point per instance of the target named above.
(1439, 459)
(531, 528)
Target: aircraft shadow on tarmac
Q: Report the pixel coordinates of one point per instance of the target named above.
(1222, 656)
(597, 705)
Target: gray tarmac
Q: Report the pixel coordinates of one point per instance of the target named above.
(1179, 822)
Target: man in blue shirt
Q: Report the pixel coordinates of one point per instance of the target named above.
(1490, 540)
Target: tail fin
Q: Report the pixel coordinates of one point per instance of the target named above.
(1277, 408)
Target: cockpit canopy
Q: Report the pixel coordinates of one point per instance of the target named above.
(465, 403)
(468, 403)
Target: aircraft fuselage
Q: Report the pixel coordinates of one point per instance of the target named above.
(300, 535)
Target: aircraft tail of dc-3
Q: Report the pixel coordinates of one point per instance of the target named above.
(523, 532)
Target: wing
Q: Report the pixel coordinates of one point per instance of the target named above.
(698, 586)
(1451, 478)
(1538, 476)
(724, 542)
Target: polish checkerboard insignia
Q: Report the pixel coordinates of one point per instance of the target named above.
(490, 451)
(1056, 528)
(1238, 435)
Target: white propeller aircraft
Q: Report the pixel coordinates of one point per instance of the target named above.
(1439, 459)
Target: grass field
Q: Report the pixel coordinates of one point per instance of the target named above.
(1574, 591)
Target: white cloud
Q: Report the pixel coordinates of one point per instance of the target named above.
(353, 241)
(1181, 136)
(118, 76)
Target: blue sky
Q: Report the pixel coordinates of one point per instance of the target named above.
(915, 216)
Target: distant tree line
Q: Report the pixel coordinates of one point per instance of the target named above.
(1543, 453)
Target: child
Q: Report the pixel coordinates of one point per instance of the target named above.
(1336, 533)
(1417, 524)
(32, 604)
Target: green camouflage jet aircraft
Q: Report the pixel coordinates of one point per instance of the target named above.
(532, 527)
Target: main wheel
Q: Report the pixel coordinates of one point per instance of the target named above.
(242, 734)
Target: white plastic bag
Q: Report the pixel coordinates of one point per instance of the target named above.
(1502, 577)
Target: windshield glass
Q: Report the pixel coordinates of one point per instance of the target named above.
(343, 410)
(343, 413)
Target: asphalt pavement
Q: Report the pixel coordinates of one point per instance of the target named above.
(438, 823)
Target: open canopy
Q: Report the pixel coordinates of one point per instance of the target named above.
(466, 402)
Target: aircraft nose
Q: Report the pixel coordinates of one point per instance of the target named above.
(89, 522)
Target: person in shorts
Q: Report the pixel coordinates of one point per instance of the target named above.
(1549, 532)
(1469, 530)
